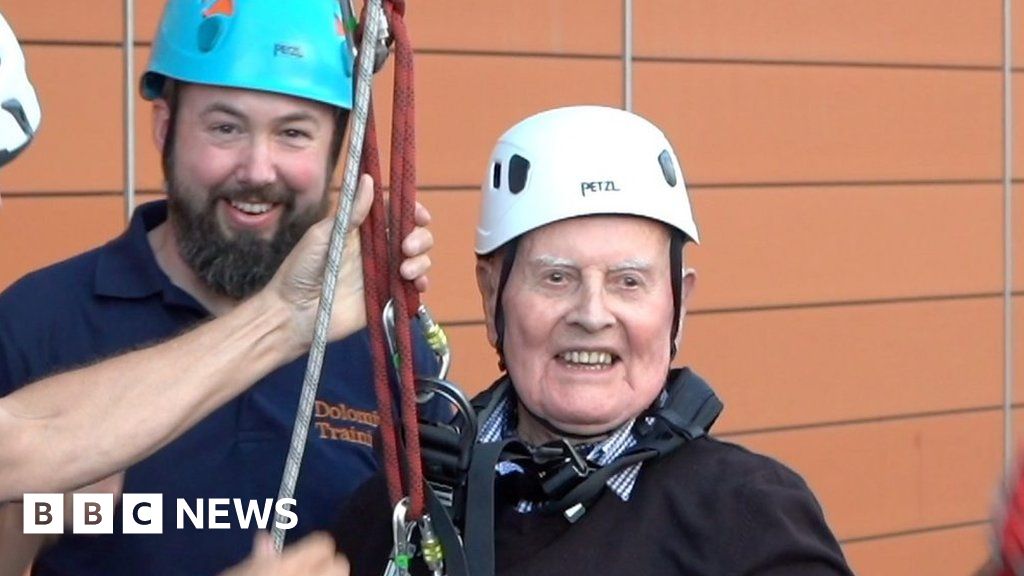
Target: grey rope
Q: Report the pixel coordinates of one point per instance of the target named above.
(129, 110)
(304, 414)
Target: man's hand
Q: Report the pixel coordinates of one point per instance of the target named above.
(314, 555)
(298, 281)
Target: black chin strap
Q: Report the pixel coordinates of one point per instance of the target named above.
(507, 261)
(675, 262)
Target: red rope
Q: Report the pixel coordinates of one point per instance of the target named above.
(381, 258)
(1010, 529)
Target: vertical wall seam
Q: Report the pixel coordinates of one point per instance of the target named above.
(627, 55)
(1008, 439)
(129, 109)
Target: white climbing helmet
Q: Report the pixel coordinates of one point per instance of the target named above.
(19, 108)
(578, 161)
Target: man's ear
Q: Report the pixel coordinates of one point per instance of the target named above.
(161, 123)
(689, 283)
(487, 271)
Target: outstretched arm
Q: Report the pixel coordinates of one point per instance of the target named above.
(54, 436)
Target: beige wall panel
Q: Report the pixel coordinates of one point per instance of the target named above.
(892, 476)
(769, 246)
(952, 552)
(806, 366)
(453, 295)
(533, 26)
(35, 232)
(66, 20)
(1018, 351)
(474, 362)
(1017, 451)
(773, 123)
(877, 31)
(1018, 122)
(1017, 8)
(464, 103)
(147, 16)
(1017, 211)
(79, 144)
(524, 26)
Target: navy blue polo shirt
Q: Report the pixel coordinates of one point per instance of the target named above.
(116, 298)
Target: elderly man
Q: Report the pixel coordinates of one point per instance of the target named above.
(249, 138)
(594, 450)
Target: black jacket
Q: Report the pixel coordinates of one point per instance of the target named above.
(708, 508)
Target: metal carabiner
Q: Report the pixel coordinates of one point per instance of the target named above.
(433, 551)
(382, 44)
(403, 549)
(432, 331)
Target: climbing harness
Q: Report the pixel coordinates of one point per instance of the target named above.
(567, 482)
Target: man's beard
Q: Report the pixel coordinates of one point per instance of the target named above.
(240, 266)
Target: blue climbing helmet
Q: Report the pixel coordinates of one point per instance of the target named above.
(298, 48)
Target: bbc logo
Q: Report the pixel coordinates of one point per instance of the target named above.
(143, 513)
(93, 514)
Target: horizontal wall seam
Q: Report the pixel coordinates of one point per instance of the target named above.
(820, 63)
(915, 531)
(905, 416)
(470, 188)
(808, 305)
(844, 183)
(849, 303)
(607, 56)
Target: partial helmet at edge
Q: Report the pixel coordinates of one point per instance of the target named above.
(20, 113)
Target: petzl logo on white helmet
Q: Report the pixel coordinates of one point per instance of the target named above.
(598, 186)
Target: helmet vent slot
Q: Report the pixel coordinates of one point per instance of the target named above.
(667, 169)
(209, 33)
(496, 176)
(518, 171)
(14, 108)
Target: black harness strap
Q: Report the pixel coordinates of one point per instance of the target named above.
(479, 533)
(688, 414)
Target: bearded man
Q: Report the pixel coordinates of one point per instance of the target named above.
(249, 138)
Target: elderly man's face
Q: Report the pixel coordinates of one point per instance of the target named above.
(588, 310)
(248, 175)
